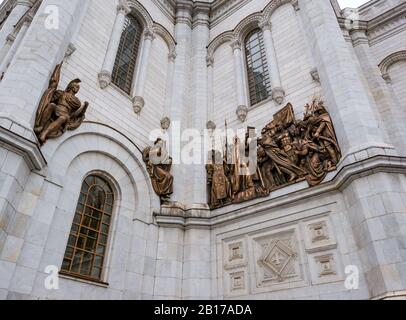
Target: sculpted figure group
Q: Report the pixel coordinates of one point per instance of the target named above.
(287, 152)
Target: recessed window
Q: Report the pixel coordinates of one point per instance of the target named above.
(258, 74)
(87, 245)
(126, 59)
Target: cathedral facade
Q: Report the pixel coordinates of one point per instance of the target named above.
(103, 195)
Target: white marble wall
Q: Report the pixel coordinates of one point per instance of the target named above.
(359, 212)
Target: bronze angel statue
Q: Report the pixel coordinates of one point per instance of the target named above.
(58, 110)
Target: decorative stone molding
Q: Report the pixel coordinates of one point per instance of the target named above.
(389, 61)
(278, 94)
(359, 37)
(265, 25)
(149, 34)
(138, 10)
(166, 36)
(242, 113)
(347, 173)
(123, 7)
(237, 281)
(278, 261)
(326, 265)
(201, 14)
(236, 44)
(165, 123)
(172, 56)
(315, 75)
(71, 49)
(184, 12)
(211, 125)
(218, 41)
(295, 4)
(275, 4)
(249, 23)
(11, 38)
(104, 79)
(138, 104)
(387, 24)
(21, 143)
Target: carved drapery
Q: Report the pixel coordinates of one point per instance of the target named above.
(159, 164)
(288, 151)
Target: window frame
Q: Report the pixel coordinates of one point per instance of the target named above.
(252, 91)
(109, 236)
(129, 80)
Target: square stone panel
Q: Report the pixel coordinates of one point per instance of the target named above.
(277, 259)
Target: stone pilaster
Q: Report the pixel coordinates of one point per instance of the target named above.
(210, 93)
(21, 7)
(199, 88)
(278, 93)
(14, 45)
(358, 128)
(241, 80)
(385, 101)
(181, 95)
(169, 90)
(141, 77)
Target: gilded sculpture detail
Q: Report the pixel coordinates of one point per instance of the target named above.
(288, 151)
(59, 110)
(159, 165)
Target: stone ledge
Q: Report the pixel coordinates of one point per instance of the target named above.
(29, 150)
(288, 195)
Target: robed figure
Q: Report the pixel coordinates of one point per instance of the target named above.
(159, 165)
(217, 179)
(59, 110)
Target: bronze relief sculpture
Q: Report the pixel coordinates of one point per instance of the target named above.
(59, 110)
(159, 165)
(288, 151)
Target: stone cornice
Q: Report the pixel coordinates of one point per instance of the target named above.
(381, 27)
(179, 217)
(21, 140)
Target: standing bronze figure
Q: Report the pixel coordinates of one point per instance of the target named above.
(58, 110)
(218, 181)
(159, 165)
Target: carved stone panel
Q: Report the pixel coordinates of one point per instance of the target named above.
(319, 235)
(236, 283)
(235, 255)
(325, 267)
(278, 259)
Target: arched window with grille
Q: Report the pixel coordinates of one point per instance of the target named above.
(126, 59)
(257, 67)
(87, 245)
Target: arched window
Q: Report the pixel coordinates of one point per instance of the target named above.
(258, 73)
(87, 244)
(126, 59)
